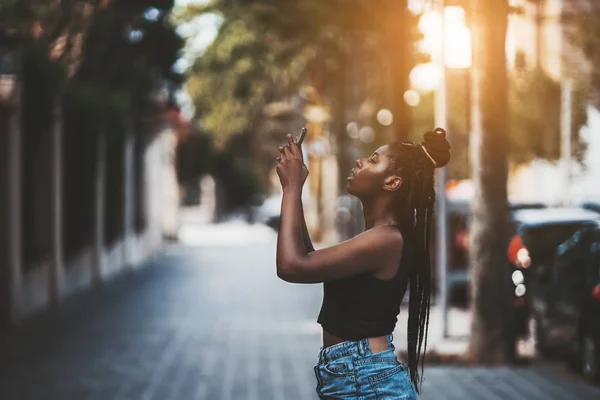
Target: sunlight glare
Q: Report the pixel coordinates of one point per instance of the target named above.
(456, 36)
(425, 77)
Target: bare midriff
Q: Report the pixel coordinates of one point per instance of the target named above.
(377, 344)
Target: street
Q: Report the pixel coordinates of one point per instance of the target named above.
(209, 319)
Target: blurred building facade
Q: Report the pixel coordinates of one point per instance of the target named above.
(541, 180)
(540, 35)
(321, 187)
(535, 33)
(41, 186)
(322, 163)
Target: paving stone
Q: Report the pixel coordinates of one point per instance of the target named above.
(212, 323)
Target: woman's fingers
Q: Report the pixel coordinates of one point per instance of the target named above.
(284, 153)
(289, 149)
(281, 153)
(294, 148)
(299, 147)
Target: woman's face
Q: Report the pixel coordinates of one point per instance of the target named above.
(373, 174)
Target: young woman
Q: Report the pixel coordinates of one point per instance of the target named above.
(366, 277)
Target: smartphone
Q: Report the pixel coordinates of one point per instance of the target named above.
(301, 138)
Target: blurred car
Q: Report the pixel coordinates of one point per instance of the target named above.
(459, 220)
(537, 235)
(565, 302)
(269, 212)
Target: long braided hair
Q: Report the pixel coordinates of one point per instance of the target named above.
(414, 205)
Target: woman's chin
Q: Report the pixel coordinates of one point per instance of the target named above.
(349, 187)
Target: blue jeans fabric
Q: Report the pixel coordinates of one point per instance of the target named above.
(349, 370)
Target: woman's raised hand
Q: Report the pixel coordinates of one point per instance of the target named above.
(291, 169)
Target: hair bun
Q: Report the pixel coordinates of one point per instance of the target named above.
(436, 147)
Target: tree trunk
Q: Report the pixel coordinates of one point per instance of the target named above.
(492, 338)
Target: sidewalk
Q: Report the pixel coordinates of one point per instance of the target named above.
(215, 322)
(452, 347)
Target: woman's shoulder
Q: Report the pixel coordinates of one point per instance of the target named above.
(389, 236)
(392, 231)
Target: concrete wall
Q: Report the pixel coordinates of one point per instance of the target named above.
(51, 280)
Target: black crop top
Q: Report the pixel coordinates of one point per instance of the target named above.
(364, 306)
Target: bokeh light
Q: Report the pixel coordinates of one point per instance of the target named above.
(152, 14)
(366, 134)
(425, 77)
(385, 117)
(451, 32)
(352, 130)
(412, 98)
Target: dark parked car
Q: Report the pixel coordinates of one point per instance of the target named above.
(565, 302)
(459, 220)
(537, 235)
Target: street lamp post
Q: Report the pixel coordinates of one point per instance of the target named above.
(449, 43)
(441, 120)
(565, 135)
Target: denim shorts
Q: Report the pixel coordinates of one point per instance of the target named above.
(349, 370)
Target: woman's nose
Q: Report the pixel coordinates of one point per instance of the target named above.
(359, 163)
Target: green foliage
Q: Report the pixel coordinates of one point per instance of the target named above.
(265, 49)
(41, 79)
(121, 69)
(91, 105)
(195, 156)
(239, 172)
(108, 75)
(535, 107)
(535, 112)
(83, 53)
(238, 75)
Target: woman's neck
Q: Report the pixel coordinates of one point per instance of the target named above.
(378, 212)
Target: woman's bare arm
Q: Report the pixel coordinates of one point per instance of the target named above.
(308, 246)
(367, 252)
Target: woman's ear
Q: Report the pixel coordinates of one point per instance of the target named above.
(392, 183)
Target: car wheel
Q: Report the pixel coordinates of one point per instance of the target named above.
(590, 357)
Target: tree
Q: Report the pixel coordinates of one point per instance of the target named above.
(266, 51)
(492, 334)
(583, 27)
(534, 118)
(102, 60)
(535, 111)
